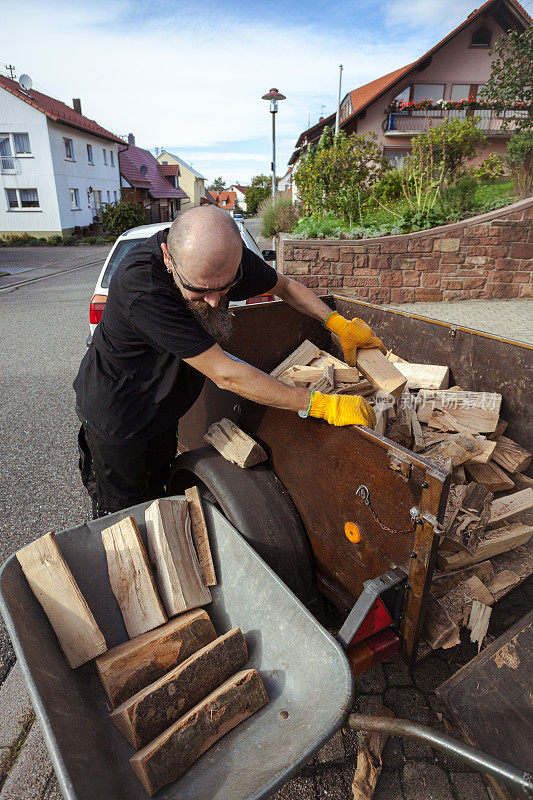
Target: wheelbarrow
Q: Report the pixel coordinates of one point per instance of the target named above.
(306, 673)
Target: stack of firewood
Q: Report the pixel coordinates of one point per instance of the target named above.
(175, 686)
(482, 554)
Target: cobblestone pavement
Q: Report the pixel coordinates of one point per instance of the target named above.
(512, 319)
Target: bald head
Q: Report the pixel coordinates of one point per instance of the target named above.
(206, 244)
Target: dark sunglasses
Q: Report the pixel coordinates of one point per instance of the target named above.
(198, 290)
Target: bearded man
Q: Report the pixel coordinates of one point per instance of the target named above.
(166, 312)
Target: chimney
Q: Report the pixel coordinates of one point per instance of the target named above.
(131, 139)
(76, 105)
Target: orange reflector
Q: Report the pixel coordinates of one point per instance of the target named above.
(353, 532)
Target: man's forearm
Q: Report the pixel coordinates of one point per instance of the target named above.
(303, 299)
(247, 381)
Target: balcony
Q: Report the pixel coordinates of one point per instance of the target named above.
(492, 122)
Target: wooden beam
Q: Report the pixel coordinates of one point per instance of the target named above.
(369, 763)
(170, 754)
(499, 540)
(234, 445)
(510, 506)
(201, 535)
(149, 712)
(424, 376)
(378, 369)
(129, 667)
(303, 354)
(490, 475)
(131, 578)
(511, 456)
(54, 586)
(416, 429)
(172, 553)
(299, 375)
(476, 412)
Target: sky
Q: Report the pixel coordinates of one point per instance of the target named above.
(188, 77)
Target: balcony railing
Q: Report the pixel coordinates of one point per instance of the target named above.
(491, 121)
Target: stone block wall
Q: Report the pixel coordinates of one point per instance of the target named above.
(484, 257)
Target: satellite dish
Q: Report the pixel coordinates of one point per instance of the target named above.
(25, 82)
(143, 169)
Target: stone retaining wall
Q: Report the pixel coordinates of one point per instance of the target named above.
(484, 257)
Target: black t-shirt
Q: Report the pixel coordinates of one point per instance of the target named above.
(132, 383)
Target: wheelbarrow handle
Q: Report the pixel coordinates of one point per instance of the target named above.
(519, 779)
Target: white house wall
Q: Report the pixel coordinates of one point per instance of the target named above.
(33, 172)
(79, 174)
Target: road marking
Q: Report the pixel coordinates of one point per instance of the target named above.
(52, 275)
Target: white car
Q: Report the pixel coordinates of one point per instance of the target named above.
(132, 237)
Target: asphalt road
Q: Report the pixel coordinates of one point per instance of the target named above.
(43, 328)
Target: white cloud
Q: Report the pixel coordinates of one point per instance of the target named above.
(196, 78)
(427, 13)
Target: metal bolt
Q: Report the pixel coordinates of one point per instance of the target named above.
(413, 555)
(425, 485)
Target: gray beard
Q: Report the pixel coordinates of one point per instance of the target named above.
(219, 321)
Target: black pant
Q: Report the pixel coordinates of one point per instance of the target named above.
(121, 475)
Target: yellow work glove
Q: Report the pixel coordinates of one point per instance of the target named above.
(352, 334)
(342, 409)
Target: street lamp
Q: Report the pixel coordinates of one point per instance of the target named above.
(273, 95)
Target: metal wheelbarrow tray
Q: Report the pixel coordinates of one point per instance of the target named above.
(306, 674)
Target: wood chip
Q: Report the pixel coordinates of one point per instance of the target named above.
(469, 520)
(478, 622)
(131, 578)
(445, 582)
(234, 444)
(54, 586)
(369, 763)
(458, 601)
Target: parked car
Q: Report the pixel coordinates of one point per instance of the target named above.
(238, 218)
(129, 239)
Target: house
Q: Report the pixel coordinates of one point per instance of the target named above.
(225, 200)
(285, 187)
(57, 167)
(191, 181)
(403, 103)
(240, 192)
(143, 181)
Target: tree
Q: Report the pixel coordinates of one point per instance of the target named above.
(450, 144)
(217, 185)
(260, 188)
(511, 78)
(335, 177)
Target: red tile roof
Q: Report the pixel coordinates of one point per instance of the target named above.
(169, 169)
(242, 189)
(131, 161)
(56, 110)
(225, 200)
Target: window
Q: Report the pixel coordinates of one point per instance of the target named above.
(460, 91)
(90, 157)
(164, 162)
(74, 199)
(108, 196)
(97, 198)
(403, 97)
(396, 156)
(428, 91)
(69, 149)
(112, 157)
(105, 156)
(12, 199)
(21, 142)
(7, 162)
(29, 198)
(481, 37)
(115, 196)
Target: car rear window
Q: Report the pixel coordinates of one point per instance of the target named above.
(121, 250)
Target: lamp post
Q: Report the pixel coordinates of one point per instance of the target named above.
(273, 95)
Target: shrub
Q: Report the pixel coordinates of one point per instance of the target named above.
(458, 198)
(120, 216)
(389, 186)
(491, 169)
(277, 216)
(520, 161)
(450, 144)
(336, 176)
